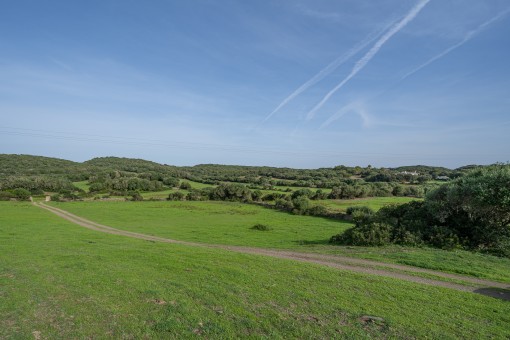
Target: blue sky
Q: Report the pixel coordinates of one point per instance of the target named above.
(285, 83)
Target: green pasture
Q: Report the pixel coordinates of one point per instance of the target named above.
(374, 203)
(453, 261)
(230, 223)
(210, 222)
(59, 280)
(84, 185)
(161, 195)
(197, 185)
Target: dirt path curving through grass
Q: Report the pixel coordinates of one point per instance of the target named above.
(402, 272)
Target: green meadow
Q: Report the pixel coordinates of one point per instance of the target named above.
(83, 185)
(210, 222)
(375, 203)
(230, 223)
(59, 280)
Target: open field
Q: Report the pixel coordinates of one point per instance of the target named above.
(284, 188)
(197, 185)
(84, 185)
(80, 283)
(375, 203)
(210, 222)
(229, 223)
(161, 195)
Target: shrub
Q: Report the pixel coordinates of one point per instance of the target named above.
(367, 234)
(5, 195)
(21, 194)
(443, 237)
(261, 227)
(136, 196)
(176, 196)
(185, 186)
(283, 204)
(301, 205)
(471, 212)
(317, 210)
(363, 209)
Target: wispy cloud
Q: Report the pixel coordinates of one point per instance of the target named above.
(466, 38)
(328, 70)
(354, 107)
(360, 64)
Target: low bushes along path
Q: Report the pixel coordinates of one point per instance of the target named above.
(470, 284)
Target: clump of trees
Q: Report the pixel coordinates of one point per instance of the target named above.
(299, 202)
(470, 212)
(19, 194)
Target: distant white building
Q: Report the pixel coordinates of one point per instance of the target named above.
(412, 173)
(443, 178)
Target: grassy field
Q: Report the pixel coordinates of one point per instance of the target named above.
(197, 185)
(63, 281)
(230, 223)
(210, 222)
(456, 261)
(161, 195)
(374, 203)
(84, 185)
(284, 188)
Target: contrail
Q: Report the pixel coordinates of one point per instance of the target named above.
(467, 37)
(327, 70)
(360, 64)
(355, 107)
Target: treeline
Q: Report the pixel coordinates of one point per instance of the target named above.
(122, 181)
(114, 174)
(315, 178)
(37, 184)
(471, 212)
(299, 201)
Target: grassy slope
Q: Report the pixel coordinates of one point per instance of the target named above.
(69, 282)
(229, 223)
(456, 261)
(210, 222)
(84, 185)
(374, 203)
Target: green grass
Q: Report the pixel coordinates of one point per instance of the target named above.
(455, 261)
(84, 185)
(210, 222)
(65, 281)
(161, 195)
(197, 185)
(374, 203)
(230, 223)
(285, 187)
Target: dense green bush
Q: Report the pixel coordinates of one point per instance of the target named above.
(470, 212)
(6, 195)
(21, 194)
(261, 227)
(362, 208)
(365, 234)
(176, 196)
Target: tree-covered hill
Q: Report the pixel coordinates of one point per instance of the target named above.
(115, 174)
(26, 165)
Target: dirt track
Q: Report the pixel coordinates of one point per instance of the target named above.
(485, 287)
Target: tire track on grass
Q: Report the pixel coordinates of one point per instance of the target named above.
(481, 286)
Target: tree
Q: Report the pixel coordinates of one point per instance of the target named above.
(185, 186)
(476, 205)
(21, 194)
